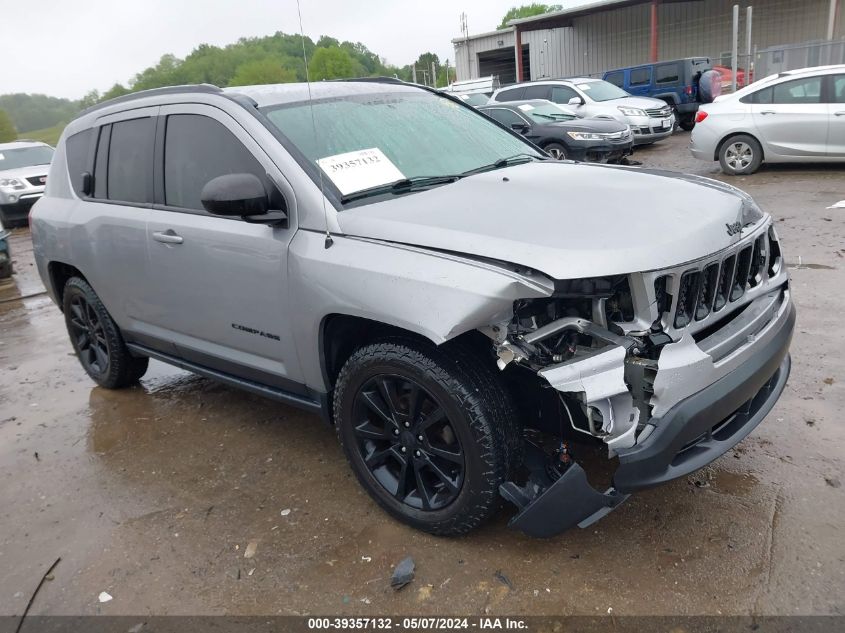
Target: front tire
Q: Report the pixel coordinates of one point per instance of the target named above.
(740, 155)
(556, 151)
(429, 433)
(97, 340)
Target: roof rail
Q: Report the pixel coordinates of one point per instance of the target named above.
(201, 88)
(376, 80)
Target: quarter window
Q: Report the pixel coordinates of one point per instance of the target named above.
(198, 149)
(617, 78)
(666, 74)
(78, 150)
(640, 76)
(798, 91)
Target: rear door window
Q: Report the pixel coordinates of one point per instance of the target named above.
(838, 90)
(799, 91)
(513, 94)
(198, 149)
(537, 92)
(130, 160)
(640, 76)
(617, 78)
(504, 116)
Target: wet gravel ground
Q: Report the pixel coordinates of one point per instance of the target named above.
(181, 496)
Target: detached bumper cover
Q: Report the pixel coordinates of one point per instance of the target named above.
(690, 435)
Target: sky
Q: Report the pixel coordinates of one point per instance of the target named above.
(67, 48)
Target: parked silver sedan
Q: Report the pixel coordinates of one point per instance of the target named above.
(796, 116)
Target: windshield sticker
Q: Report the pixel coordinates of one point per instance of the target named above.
(584, 87)
(525, 107)
(362, 169)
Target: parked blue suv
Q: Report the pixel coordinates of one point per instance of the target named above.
(675, 82)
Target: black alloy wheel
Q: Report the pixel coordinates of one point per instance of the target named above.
(407, 442)
(88, 336)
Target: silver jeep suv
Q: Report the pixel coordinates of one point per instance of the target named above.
(23, 174)
(466, 312)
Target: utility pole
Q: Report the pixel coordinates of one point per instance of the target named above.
(465, 31)
(749, 59)
(414, 73)
(735, 46)
(433, 74)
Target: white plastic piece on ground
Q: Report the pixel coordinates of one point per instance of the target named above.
(104, 597)
(601, 378)
(838, 205)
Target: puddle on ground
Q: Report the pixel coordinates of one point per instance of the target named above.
(800, 266)
(733, 483)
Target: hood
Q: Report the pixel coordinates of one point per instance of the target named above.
(643, 103)
(601, 126)
(566, 220)
(24, 172)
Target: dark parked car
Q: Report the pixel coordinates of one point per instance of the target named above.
(5, 255)
(675, 82)
(562, 134)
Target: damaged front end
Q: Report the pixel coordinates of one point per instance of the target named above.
(625, 355)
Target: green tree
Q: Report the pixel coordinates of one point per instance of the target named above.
(117, 90)
(262, 71)
(89, 99)
(7, 128)
(331, 63)
(526, 11)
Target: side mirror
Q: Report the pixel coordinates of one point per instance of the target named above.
(575, 101)
(522, 128)
(235, 195)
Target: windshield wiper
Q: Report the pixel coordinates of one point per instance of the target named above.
(405, 185)
(516, 159)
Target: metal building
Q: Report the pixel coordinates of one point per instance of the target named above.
(607, 34)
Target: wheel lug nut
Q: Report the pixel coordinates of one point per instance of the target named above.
(407, 424)
(417, 453)
(420, 438)
(404, 450)
(395, 431)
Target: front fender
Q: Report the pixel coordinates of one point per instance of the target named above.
(434, 294)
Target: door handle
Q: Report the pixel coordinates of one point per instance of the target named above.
(768, 112)
(167, 237)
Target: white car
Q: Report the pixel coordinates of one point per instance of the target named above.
(797, 116)
(23, 176)
(651, 120)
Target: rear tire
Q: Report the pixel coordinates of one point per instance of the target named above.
(429, 433)
(740, 155)
(687, 123)
(97, 340)
(556, 151)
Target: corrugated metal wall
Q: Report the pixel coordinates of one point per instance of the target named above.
(467, 65)
(620, 37)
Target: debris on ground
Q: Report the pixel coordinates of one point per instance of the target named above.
(403, 573)
(833, 482)
(285, 512)
(838, 205)
(251, 548)
(104, 597)
(828, 381)
(503, 579)
(367, 559)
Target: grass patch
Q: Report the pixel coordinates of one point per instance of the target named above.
(49, 135)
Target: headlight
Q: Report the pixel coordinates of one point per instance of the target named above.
(11, 183)
(631, 111)
(586, 136)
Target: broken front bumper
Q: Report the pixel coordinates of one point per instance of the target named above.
(688, 436)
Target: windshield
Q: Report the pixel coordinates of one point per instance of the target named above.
(367, 140)
(546, 112)
(25, 157)
(476, 99)
(601, 90)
